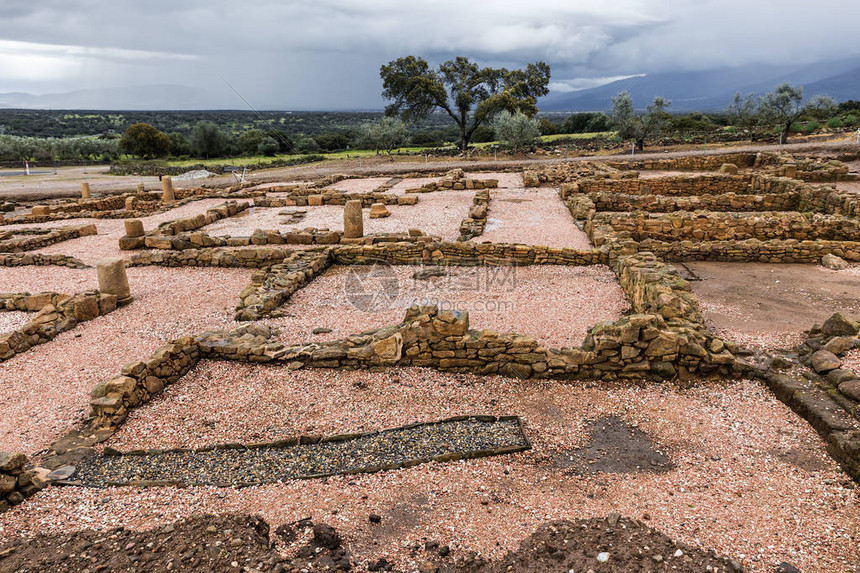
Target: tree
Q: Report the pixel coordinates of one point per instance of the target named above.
(639, 127)
(782, 107)
(517, 130)
(585, 122)
(469, 94)
(386, 134)
(207, 140)
(250, 140)
(268, 146)
(743, 113)
(179, 144)
(143, 140)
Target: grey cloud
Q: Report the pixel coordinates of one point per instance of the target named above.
(327, 53)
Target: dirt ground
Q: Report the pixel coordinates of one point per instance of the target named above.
(66, 181)
(770, 304)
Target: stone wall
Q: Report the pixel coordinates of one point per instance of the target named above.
(473, 225)
(749, 250)
(333, 197)
(271, 288)
(689, 163)
(16, 482)
(716, 226)
(679, 185)
(165, 236)
(55, 313)
(40, 260)
(31, 242)
(140, 381)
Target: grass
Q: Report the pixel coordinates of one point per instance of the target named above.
(257, 160)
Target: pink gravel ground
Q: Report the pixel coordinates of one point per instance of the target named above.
(13, 320)
(45, 390)
(751, 479)
(852, 360)
(365, 185)
(106, 243)
(506, 180)
(411, 183)
(555, 305)
(533, 217)
(436, 214)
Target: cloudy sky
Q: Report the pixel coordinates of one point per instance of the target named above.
(325, 54)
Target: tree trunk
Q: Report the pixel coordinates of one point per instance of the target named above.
(640, 144)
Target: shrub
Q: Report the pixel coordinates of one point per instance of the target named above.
(851, 119)
(811, 126)
(516, 130)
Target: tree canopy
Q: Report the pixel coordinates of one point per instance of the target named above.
(639, 127)
(143, 140)
(469, 94)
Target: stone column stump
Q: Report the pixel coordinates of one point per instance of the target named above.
(353, 220)
(85, 191)
(113, 279)
(167, 195)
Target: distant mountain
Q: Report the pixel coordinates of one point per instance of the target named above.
(150, 97)
(713, 90)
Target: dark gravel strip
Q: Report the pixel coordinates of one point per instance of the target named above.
(238, 465)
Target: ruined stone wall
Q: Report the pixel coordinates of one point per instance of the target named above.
(41, 260)
(140, 381)
(715, 226)
(16, 482)
(689, 163)
(333, 197)
(681, 185)
(55, 313)
(473, 225)
(32, 242)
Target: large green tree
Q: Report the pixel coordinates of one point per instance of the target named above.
(470, 94)
(143, 140)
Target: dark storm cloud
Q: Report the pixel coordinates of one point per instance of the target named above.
(327, 53)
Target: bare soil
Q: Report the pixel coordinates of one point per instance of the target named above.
(773, 298)
(242, 542)
(66, 182)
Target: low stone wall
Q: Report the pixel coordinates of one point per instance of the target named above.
(749, 250)
(688, 163)
(333, 197)
(271, 288)
(256, 258)
(714, 226)
(466, 254)
(16, 482)
(473, 225)
(50, 237)
(55, 313)
(140, 381)
(557, 174)
(165, 236)
(40, 260)
(679, 185)
(260, 237)
(728, 202)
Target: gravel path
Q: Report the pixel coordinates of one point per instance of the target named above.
(532, 217)
(556, 305)
(364, 185)
(750, 477)
(437, 214)
(46, 389)
(363, 454)
(13, 320)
